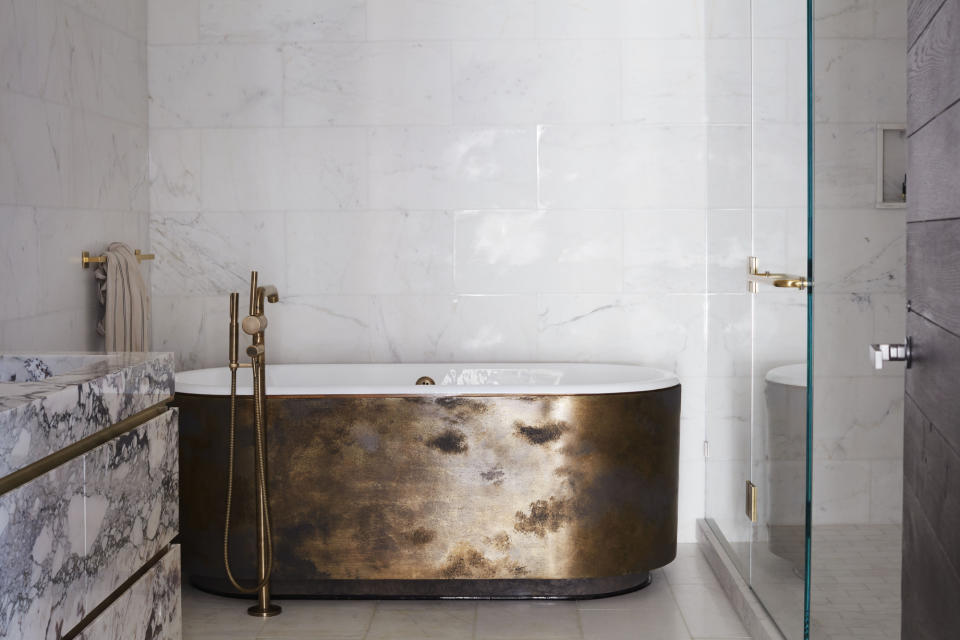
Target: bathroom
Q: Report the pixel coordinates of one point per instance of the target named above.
(428, 182)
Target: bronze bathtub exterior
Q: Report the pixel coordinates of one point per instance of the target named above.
(545, 496)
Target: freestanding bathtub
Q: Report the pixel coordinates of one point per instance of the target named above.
(499, 481)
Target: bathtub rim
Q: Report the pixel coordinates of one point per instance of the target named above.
(649, 379)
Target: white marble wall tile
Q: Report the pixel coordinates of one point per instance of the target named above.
(728, 426)
(450, 20)
(729, 176)
(70, 330)
(281, 169)
(287, 21)
(846, 324)
(665, 331)
(194, 328)
(692, 434)
(841, 492)
(535, 82)
(779, 80)
(727, 80)
(121, 15)
(622, 166)
(379, 83)
(248, 80)
(9, 156)
(61, 236)
(36, 146)
(654, 239)
(729, 335)
(452, 168)
(19, 46)
(727, 18)
(122, 81)
(325, 328)
(664, 80)
(890, 19)
(770, 242)
(690, 496)
(859, 418)
(539, 251)
(725, 480)
(86, 63)
(780, 331)
(495, 328)
(886, 491)
(779, 165)
(846, 167)
(214, 253)
(728, 246)
(578, 18)
(20, 261)
(73, 115)
(843, 19)
(173, 21)
(655, 19)
(861, 81)
(361, 252)
(67, 60)
(693, 410)
(175, 169)
(108, 164)
(778, 19)
(860, 250)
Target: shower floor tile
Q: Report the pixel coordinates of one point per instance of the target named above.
(856, 584)
(683, 597)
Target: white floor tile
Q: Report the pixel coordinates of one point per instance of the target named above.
(528, 621)
(707, 611)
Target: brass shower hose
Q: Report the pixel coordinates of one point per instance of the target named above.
(260, 466)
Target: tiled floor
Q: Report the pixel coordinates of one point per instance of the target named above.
(856, 584)
(684, 602)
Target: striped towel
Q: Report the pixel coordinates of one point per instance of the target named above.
(126, 318)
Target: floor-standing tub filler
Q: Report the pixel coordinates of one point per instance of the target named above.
(460, 480)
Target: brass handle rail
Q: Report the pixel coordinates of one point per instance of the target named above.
(86, 259)
(36, 469)
(780, 280)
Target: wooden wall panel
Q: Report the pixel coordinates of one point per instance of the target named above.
(933, 276)
(934, 173)
(919, 14)
(931, 457)
(932, 70)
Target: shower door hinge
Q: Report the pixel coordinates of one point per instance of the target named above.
(750, 508)
(706, 448)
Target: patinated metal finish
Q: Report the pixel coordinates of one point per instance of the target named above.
(430, 496)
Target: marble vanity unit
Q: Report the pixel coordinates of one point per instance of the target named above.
(89, 491)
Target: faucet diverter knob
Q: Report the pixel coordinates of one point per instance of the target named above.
(252, 325)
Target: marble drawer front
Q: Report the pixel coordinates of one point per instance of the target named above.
(72, 536)
(149, 610)
(38, 418)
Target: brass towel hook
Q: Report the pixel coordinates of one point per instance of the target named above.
(86, 259)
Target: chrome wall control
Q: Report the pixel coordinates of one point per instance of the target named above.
(881, 353)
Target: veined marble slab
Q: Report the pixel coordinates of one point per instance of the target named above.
(131, 491)
(150, 610)
(72, 536)
(49, 401)
(42, 555)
